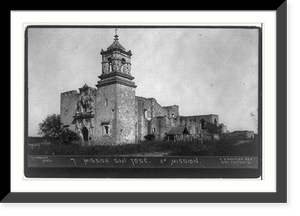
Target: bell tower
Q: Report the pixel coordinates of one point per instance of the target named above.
(116, 60)
(115, 109)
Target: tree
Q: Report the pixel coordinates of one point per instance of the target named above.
(51, 127)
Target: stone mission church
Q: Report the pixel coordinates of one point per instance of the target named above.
(112, 114)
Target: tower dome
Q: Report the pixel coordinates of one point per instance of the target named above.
(116, 44)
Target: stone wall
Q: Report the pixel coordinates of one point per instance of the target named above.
(195, 123)
(156, 126)
(126, 114)
(143, 121)
(68, 108)
(122, 117)
(143, 109)
(157, 109)
(116, 114)
(191, 123)
(161, 125)
(154, 119)
(172, 111)
(212, 118)
(105, 112)
(151, 107)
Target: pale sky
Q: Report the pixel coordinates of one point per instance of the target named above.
(202, 70)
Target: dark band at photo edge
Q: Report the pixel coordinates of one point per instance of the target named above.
(186, 197)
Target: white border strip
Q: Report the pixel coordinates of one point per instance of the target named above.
(20, 184)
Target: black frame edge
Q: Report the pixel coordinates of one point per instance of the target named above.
(280, 196)
(281, 104)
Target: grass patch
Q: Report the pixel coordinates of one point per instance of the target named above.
(218, 148)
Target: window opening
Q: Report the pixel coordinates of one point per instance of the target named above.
(203, 124)
(106, 129)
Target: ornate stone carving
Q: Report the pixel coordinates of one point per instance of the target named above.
(116, 65)
(78, 107)
(125, 69)
(85, 125)
(128, 68)
(84, 105)
(105, 68)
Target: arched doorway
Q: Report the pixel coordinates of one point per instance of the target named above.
(85, 133)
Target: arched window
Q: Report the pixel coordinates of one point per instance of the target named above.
(147, 114)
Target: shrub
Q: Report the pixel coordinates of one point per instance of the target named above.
(149, 137)
(69, 137)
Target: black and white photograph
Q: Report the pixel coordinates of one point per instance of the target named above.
(168, 101)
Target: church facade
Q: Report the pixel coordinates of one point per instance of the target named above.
(112, 114)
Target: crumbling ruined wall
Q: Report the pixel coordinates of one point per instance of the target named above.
(142, 107)
(154, 119)
(144, 116)
(195, 123)
(191, 124)
(157, 109)
(172, 111)
(68, 108)
(161, 125)
(212, 118)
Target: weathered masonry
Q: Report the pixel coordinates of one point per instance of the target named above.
(112, 114)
